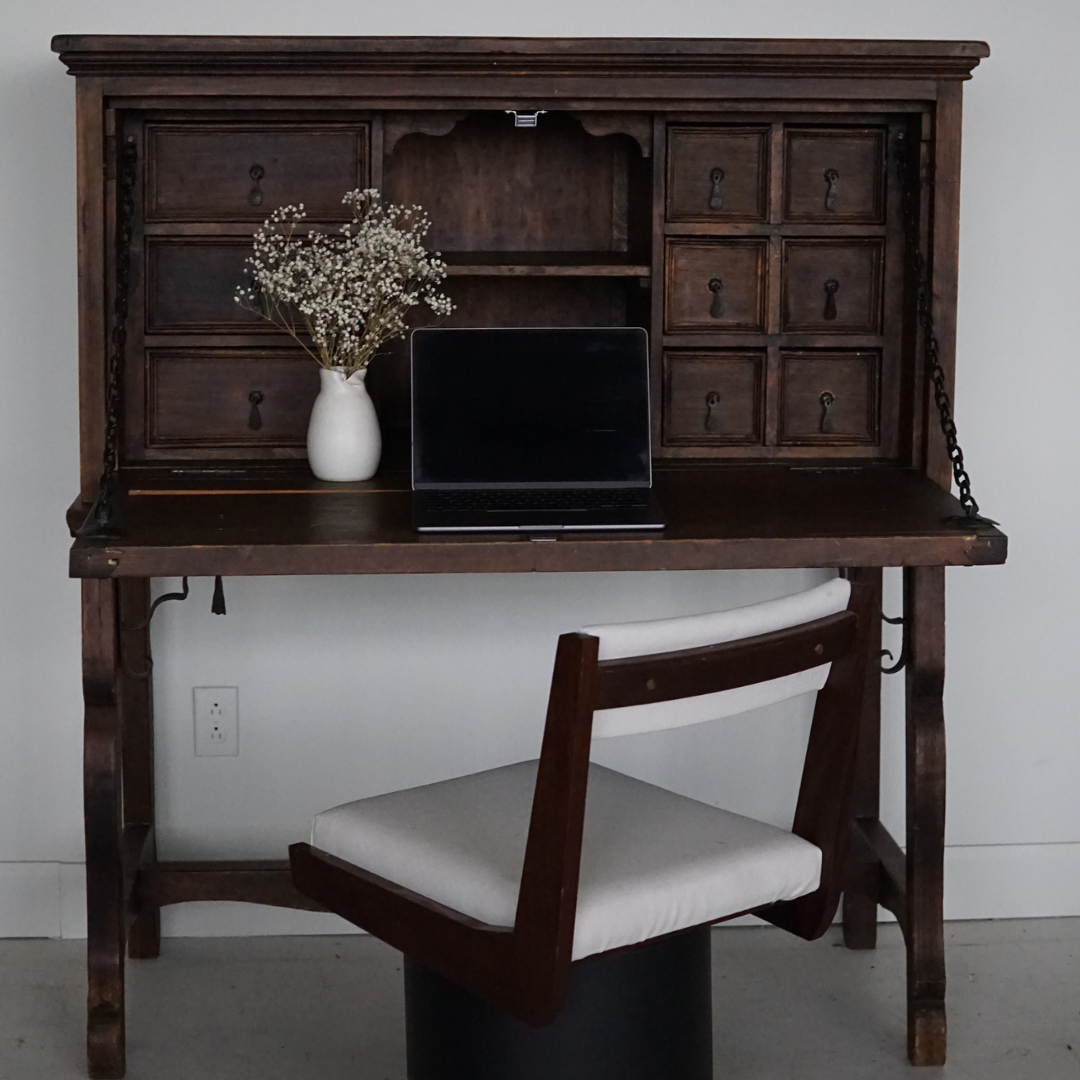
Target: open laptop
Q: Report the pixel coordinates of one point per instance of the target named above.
(533, 430)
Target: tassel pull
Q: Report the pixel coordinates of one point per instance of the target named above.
(217, 605)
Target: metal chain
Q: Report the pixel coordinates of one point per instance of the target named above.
(102, 519)
(924, 305)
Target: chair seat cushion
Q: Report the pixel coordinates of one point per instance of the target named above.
(652, 861)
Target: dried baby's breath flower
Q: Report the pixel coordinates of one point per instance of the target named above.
(348, 293)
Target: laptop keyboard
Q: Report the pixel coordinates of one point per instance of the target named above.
(570, 500)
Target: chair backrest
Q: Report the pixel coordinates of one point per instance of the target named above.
(660, 674)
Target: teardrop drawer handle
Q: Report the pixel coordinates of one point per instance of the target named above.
(832, 286)
(832, 178)
(716, 287)
(255, 417)
(712, 399)
(827, 399)
(255, 197)
(716, 200)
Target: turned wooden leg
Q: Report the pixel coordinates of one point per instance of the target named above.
(924, 603)
(102, 811)
(861, 880)
(137, 718)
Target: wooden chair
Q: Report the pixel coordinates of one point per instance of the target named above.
(507, 881)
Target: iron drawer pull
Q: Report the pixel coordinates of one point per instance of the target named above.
(716, 286)
(712, 399)
(832, 178)
(826, 400)
(255, 417)
(716, 201)
(256, 172)
(832, 286)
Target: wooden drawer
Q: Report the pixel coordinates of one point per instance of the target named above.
(202, 397)
(717, 173)
(834, 175)
(715, 285)
(190, 285)
(713, 398)
(832, 286)
(829, 398)
(241, 172)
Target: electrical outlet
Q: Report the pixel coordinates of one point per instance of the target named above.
(217, 721)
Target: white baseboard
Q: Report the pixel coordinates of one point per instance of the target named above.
(1006, 881)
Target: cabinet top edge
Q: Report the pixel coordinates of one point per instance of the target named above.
(105, 54)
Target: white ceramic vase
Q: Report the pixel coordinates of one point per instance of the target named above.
(343, 439)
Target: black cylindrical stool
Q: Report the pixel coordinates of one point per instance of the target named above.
(643, 1013)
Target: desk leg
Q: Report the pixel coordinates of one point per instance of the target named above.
(861, 884)
(137, 718)
(103, 816)
(924, 603)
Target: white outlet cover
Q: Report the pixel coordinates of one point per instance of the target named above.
(217, 721)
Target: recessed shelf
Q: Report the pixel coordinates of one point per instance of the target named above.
(543, 264)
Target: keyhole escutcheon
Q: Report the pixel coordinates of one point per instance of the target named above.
(832, 179)
(716, 287)
(712, 400)
(255, 196)
(255, 417)
(716, 200)
(827, 399)
(832, 286)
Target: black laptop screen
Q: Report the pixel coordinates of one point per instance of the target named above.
(515, 408)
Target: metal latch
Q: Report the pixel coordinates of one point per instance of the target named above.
(525, 119)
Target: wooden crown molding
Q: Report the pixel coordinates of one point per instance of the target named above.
(108, 55)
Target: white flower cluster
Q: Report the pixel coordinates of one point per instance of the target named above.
(348, 293)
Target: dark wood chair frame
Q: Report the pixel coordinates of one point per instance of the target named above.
(526, 969)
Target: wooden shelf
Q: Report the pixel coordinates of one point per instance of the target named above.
(281, 521)
(543, 264)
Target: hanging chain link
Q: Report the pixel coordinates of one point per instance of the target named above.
(102, 519)
(924, 304)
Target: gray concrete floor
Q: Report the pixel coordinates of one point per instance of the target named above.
(330, 1008)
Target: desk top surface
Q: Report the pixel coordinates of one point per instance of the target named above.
(174, 523)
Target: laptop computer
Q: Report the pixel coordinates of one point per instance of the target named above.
(531, 430)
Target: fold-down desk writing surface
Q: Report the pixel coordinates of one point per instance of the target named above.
(757, 516)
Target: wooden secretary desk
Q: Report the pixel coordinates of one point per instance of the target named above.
(781, 216)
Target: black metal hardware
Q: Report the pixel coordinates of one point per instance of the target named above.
(140, 676)
(255, 417)
(716, 201)
(217, 605)
(832, 178)
(716, 287)
(902, 661)
(909, 196)
(712, 399)
(101, 521)
(827, 399)
(255, 196)
(831, 288)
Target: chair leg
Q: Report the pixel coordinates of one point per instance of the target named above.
(860, 906)
(102, 799)
(925, 614)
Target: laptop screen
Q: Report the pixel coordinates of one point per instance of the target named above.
(524, 408)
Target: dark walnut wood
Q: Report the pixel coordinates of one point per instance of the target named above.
(739, 199)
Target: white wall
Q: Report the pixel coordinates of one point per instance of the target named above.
(352, 687)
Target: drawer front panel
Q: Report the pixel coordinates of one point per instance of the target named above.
(190, 285)
(204, 397)
(835, 175)
(829, 398)
(832, 286)
(243, 172)
(718, 174)
(715, 285)
(713, 398)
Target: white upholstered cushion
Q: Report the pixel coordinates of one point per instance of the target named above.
(652, 861)
(619, 640)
